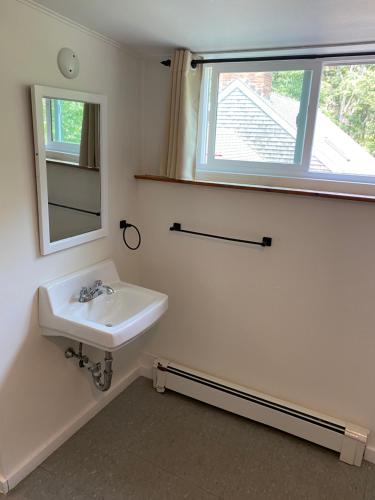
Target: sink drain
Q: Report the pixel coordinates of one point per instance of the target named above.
(108, 324)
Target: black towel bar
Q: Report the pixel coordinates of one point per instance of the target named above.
(74, 208)
(266, 241)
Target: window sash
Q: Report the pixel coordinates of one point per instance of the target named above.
(309, 104)
(52, 145)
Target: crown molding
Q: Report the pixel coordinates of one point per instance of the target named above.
(73, 24)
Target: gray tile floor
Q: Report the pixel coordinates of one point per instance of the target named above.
(146, 446)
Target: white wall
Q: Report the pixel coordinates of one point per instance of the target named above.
(40, 391)
(295, 320)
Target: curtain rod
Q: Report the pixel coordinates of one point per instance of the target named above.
(196, 62)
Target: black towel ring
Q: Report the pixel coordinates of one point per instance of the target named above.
(125, 225)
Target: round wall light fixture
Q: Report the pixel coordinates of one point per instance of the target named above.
(68, 62)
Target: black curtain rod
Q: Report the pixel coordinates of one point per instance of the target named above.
(195, 62)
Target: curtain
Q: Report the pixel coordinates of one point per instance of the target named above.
(89, 154)
(180, 153)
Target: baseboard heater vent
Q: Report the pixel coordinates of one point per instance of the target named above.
(346, 438)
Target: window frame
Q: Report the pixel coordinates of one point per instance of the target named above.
(218, 170)
(58, 150)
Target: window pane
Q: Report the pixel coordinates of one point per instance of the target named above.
(66, 121)
(344, 140)
(261, 116)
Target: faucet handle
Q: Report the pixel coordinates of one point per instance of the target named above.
(83, 293)
(98, 283)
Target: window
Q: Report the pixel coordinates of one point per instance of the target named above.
(345, 128)
(301, 119)
(62, 129)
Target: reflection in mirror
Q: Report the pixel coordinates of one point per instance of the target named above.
(72, 152)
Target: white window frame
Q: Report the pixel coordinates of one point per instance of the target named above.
(273, 174)
(56, 150)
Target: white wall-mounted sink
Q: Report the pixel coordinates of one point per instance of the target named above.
(108, 321)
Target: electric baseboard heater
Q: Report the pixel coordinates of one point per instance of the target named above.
(346, 438)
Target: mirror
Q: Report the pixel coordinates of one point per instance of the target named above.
(69, 132)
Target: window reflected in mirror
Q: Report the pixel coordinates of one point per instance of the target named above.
(72, 151)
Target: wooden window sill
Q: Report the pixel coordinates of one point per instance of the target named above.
(266, 189)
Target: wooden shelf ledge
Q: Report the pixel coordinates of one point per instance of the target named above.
(265, 189)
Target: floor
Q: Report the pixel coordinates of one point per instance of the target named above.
(146, 445)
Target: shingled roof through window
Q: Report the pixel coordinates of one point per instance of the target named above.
(249, 129)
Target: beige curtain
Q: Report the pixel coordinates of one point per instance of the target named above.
(89, 154)
(180, 153)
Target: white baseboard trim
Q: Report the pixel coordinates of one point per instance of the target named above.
(146, 363)
(370, 454)
(34, 460)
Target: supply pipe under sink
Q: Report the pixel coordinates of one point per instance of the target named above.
(102, 380)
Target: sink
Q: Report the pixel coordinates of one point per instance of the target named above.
(109, 321)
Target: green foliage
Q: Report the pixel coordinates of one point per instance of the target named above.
(347, 97)
(288, 83)
(71, 122)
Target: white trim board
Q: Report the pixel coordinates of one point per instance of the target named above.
(46, 449)
(370, 454)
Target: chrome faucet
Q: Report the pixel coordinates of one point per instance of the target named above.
(88, 293)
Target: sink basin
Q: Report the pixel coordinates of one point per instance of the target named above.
(109, 321)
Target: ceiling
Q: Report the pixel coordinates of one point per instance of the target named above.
(154, 27)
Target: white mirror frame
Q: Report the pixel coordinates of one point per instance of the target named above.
(37, 94)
